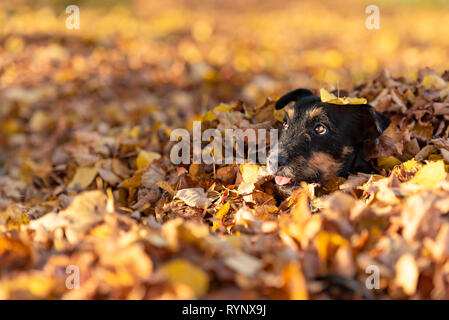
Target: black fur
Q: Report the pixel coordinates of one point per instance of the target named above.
(308, 156)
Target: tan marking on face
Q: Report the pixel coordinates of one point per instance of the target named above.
(325, 163)
(301, 165)
(346, 150)
(290, 111)
(315, 112)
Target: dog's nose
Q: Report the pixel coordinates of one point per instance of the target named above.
(282, 160)
(272, 164)
(274, 161)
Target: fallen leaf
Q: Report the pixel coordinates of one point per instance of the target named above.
(251, 173)
(407, 274)
(430, 174)
(433, 81)
(331, 98)
(294, 281)
(194, 197)
(220, 214)
(152, 176)
(244, 264)
(166, 186)
(387, 162)
(84, 177)
(186, 273)
(144, 158)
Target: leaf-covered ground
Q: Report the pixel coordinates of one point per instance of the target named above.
(86, 179)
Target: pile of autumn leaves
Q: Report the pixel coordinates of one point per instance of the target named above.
(139, 227)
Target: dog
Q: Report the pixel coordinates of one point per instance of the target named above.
(320, 141)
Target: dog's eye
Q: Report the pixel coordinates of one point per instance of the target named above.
(285, 125)
(320, 129)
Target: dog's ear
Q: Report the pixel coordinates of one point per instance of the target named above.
(299, 95)
(372, 122)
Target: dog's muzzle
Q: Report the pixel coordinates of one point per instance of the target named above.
(273, 162)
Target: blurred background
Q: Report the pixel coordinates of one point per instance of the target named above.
(175, 59)
(224, 49)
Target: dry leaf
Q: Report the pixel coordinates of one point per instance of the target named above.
(407, 274)
(144, 158)
(220, 215)
(294, 281)
(429, 175)
(152, 176)
(84, 177)
(184, 272)
(244, 264)
(433, 81)
(194, 197)
(387, 162)
(250, 172)
(331, 98)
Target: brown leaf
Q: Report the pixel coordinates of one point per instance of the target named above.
(194, 197)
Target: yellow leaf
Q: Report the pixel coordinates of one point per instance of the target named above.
(145, 158)
(223, 210)
(430, 174)
(410, 165)
(39, 121)
(186, 273)
(209, 116)
(433, 81)
(84, 177)
(331, 98)
(294, 281)
(278, 115)
(220, 214)
(224, 108)
(326, 95)
(166, 186)
(250, 172)
(135, 132)
(387, 162)
(326, 241)
(135, 181)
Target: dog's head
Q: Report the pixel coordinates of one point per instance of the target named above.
(321, 140)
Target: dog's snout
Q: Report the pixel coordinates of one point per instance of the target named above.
(275, 161)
